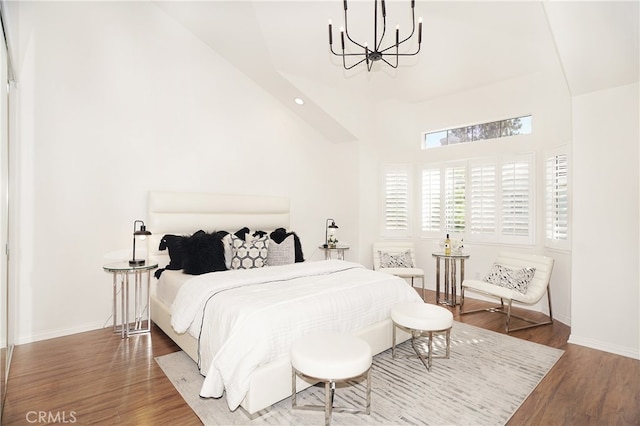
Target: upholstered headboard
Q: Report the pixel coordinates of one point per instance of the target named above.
(183, 213)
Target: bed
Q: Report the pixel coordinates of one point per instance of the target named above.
(357, 300)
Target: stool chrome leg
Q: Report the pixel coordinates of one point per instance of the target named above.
(329, 389)
(294, 391)
(368, 409)
(329, 393)
(415, 334)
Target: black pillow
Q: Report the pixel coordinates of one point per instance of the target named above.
(242, 233)
(280, 234)
(205, 253)
(177, 254)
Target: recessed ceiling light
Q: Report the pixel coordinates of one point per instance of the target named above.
(299, 101)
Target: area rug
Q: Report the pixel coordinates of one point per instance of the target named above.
(485, 380)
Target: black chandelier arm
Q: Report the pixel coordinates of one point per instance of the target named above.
(346, 54)
(346, 29)
(344, 63)
(400, 54)
(413, 30)
(384, 31)
(410, 54)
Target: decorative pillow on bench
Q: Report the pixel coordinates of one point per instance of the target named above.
(397, 260)
(514, 279)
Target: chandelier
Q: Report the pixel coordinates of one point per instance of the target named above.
(376, 52)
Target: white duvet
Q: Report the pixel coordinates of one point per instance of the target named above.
(252, 316)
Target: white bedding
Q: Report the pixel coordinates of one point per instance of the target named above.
(252, 316)
(168, 284)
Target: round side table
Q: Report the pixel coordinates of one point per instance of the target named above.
(121, 272)
(451, 264)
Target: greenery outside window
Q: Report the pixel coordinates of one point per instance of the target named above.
(477, 132)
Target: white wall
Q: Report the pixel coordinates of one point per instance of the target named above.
(117, 99)
(606, 280)
(544, 95)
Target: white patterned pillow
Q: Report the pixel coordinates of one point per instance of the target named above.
(283, 253)
(398, 260)
(249, 254)
(514, 279)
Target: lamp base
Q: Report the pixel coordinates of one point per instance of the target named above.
(136, 262)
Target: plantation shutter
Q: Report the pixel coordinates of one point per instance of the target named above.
(557, 197)
(396, 199)
(483, 189)
(454, 198)
(516, 206)
(430, 217)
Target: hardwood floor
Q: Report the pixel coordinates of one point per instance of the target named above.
(98, 378)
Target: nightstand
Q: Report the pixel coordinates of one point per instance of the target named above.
(338, 250)
(140, 304)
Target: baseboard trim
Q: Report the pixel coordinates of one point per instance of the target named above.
(61, 332)
(605, 346)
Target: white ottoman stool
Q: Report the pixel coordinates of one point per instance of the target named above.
(422, 320)
(330, 358)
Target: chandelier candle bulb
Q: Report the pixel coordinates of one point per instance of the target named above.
(342, 35)
(419, 30)
(330, 33)
(384, 9)
(397, 35)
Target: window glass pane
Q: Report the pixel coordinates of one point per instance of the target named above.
(516, 126)
(436, 139)
(489, 130)
(483, 131)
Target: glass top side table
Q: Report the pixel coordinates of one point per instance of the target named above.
(338, 249)
(141, 297)
(451, 263)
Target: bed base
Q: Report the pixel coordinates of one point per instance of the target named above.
(271, 382)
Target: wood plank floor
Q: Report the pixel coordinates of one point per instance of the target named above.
(98, 378)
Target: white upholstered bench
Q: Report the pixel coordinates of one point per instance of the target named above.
(331, 358)
(422, 320)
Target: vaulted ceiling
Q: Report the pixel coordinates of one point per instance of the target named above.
(283, 46)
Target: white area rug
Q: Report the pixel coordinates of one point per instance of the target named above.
(485, 380)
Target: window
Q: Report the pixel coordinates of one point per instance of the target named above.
(431, 200)
(515, 199)
(557, 200)
(454, 198)
(478, 132)
(482, 195)
(481, 200)
(396, 193)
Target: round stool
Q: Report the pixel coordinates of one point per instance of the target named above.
(330, 358)
(422, 320)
